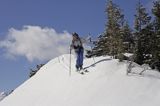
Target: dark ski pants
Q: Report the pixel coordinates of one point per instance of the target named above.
(79, 61)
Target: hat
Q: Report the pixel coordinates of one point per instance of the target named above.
(75, 34)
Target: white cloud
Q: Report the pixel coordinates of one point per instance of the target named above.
(36, 43)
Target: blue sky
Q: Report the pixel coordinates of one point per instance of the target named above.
(26, 23)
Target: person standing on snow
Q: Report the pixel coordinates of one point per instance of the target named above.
(78, 48)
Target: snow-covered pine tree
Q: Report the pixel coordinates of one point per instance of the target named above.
(142, 21)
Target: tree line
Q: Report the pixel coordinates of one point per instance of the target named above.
(143, 40)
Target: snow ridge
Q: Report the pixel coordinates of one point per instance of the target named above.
(106, 84)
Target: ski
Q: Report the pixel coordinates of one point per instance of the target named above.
(83, 71)
(80, 72)
(86, 71)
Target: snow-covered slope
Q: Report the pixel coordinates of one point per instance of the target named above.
(106, 84)
(2, 95)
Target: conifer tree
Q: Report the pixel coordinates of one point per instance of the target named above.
(127, 37)
(156, 13)
(142, 21)
(111, 41)
(113, 34)
(99, 48)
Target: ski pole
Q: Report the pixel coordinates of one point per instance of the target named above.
(93, 56)
(70, 62)
(91, 47)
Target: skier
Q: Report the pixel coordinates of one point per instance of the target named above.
(78, 48)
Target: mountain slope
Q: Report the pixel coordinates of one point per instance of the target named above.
(106, 84)
(2, 95)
